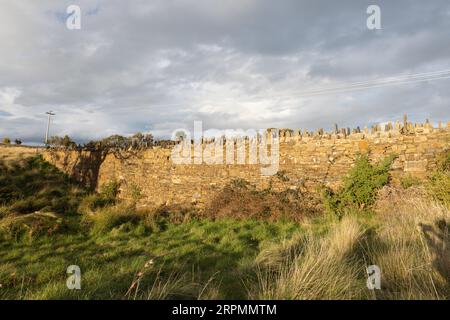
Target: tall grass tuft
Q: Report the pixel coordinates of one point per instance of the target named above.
(409, 241)
(320, 268)
(412, 246)
(107, 218)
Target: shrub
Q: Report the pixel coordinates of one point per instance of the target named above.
(242, 200)
(443, 161)
(135, 192)
(360, 186)
(409, 181)
(438, 184)
(106, 197)
(18, 141)
(116, 142)
(108, 218)
(62, 142)
(6, 140)
(110, 190)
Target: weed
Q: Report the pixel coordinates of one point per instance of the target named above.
(438, 184)
(110, 190)
(408, 181)
(360, 186)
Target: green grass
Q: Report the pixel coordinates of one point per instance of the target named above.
(48, 223)
(199, 251)
(32, 184)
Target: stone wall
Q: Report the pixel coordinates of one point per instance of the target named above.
(306, 160)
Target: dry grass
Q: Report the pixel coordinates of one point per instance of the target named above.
(10, 154)
(13, 226)
(107, 218)
(410, 244)
(175, 284)
(241, 200)
(319, 268)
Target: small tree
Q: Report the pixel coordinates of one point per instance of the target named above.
(18, 142)
(62, 142)
(140, 140)
(6, 140)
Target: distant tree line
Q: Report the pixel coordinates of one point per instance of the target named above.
(7, 140)
(138, 141)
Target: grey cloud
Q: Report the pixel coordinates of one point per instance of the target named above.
(159, 65)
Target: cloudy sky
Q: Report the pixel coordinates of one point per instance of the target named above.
(159, 65)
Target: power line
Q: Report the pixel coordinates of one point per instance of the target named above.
(368, 84)
(322, 91)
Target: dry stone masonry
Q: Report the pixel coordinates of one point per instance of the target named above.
(306, 160)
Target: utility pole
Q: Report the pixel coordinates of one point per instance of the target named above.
(50, 113)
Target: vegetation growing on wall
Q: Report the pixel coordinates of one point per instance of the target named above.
(439, 182)
(360, 186)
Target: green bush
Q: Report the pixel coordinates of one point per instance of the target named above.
(106, 197)
(110, 190)
(107, 218)
(438, 185)
(65, 142)
(135, 192)
(443, 161)
(360, 186)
